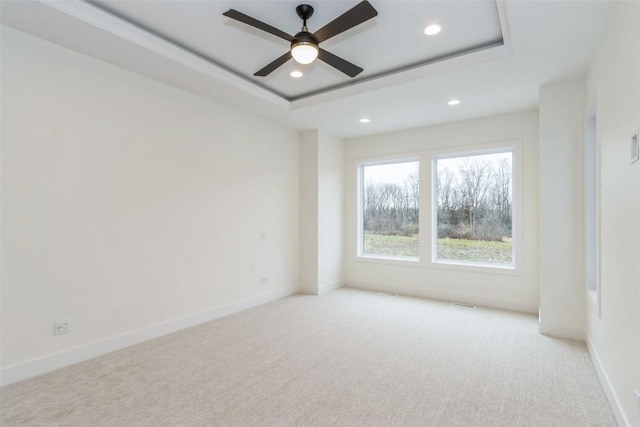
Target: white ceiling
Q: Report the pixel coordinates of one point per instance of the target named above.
(493, 56)
(379, 45)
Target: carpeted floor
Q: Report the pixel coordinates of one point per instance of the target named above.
(345, 358)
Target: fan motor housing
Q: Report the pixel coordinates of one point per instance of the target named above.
(303, 37)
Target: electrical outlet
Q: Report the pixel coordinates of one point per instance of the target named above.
(638, 400)
(57, 328)
(264, 281)
(61, 327)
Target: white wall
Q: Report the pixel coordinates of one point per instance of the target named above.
(127, 203)
(561, 153)
(321, 212)
(614, 335)
(330, 212)
(512, 291)
(309, 212)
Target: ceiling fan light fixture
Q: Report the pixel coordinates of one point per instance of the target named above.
(304, 45)
(304, 52)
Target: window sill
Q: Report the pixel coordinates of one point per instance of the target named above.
(405, 262)
(442, 265)
(477, 267)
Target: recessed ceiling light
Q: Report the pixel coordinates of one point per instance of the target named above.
(432, 29)
(453, 102)
(296, 74)
(364, 120)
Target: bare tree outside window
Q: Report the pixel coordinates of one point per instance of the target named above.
(474, 195)
(390, 210)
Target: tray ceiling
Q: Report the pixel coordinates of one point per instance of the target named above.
(390, 43)
(492, 55)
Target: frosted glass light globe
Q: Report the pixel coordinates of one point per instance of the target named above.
(304, 52)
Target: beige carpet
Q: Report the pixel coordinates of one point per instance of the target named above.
(346, 358)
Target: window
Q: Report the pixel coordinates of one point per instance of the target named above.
(592, 196)
(389, 210)
(449, 208)
(473, 209)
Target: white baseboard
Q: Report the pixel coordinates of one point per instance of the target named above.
(35, 367)
(328, 287)
(446, 296)
(576, 334)
(614, 402)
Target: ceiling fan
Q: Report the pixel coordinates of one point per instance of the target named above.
(304, 45)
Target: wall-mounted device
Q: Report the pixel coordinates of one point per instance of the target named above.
(635, 151)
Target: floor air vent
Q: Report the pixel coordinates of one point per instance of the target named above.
(389, 294)
(461, 304)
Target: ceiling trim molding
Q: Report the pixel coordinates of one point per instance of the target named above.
(477, 55)
(449, 63)
(123, 29)
(112, 24)
(504, 23)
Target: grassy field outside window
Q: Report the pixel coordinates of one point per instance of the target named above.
(481, 251)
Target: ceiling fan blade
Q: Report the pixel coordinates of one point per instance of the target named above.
(358, 14)
(273, 65)
(338, 63)
(239, 16)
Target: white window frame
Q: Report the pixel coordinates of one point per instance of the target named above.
(592, 207)
(377, 161)
(515, 147)
(428, 208)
